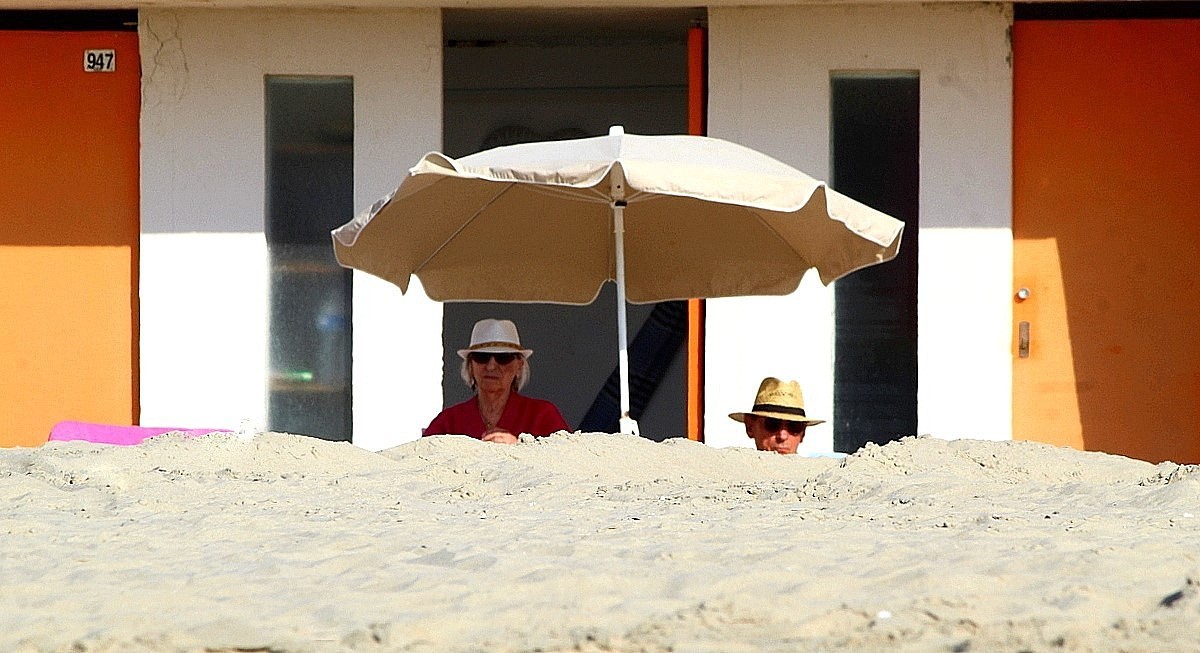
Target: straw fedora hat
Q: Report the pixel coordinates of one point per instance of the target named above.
(495, 337)
(779, 399)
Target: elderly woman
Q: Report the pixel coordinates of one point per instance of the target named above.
(496, 367)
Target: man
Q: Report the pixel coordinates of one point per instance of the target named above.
(777, 421)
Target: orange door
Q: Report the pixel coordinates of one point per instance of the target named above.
(68, 231)
(1106, 228)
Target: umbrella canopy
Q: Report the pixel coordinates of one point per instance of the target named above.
(665, 217)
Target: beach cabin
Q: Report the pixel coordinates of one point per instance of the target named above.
(172, 168)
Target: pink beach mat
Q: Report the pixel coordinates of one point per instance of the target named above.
(116, 434)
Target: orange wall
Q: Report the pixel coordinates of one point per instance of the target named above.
(68, 233)
(1106, 229)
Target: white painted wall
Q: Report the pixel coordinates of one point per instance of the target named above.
(750, 338)
(203, 253)
(769, 70)
(203, 331)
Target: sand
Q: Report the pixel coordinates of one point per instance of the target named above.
(593, 542)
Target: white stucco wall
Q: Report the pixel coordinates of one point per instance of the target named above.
(203, 267)
(769, 71)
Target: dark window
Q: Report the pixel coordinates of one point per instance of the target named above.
(874, 144)
(310, 191)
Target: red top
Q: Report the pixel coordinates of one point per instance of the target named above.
(521, 415)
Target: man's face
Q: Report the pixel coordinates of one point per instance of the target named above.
(771, 434)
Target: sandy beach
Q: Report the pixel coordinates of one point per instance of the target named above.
(593, 542)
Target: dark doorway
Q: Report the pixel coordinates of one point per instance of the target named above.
(513, 76)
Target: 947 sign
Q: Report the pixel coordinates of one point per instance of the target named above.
(99, 61)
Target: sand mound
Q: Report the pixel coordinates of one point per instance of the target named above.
(593, 542)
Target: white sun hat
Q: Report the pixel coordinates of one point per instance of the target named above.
(495, 337)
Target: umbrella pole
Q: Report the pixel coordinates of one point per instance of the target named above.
(627, 423)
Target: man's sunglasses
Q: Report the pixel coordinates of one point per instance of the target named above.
(482, 357)
(774, 425)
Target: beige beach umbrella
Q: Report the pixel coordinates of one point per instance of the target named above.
(664, 217)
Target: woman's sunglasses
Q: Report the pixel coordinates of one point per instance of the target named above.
(774, 425)
(482, 357)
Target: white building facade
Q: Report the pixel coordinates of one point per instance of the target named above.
(204, 277)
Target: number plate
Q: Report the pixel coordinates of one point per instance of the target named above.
(99, 61)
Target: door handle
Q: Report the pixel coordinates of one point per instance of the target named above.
(1022, 327)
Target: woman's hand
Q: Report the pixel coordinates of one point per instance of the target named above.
(499, 435)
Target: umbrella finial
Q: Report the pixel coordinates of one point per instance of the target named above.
(616, 134)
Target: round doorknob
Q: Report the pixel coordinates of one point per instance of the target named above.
(1022, 294)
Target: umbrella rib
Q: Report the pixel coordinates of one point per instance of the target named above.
(504, 189)
(586, 193)
(771, 228)
(601, 197)
(571, 193)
